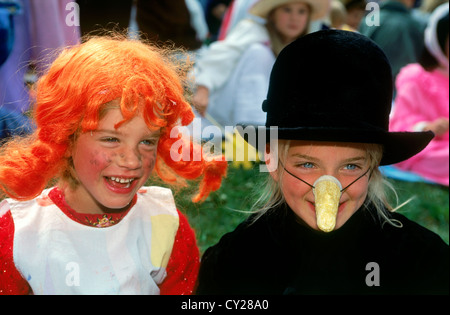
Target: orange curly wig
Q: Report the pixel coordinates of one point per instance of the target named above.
(69, 100)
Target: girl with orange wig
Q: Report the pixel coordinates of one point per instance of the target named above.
(79, 219)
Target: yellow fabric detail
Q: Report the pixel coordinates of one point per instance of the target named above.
(164, 230)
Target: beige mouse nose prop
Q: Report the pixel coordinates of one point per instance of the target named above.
(327, 192)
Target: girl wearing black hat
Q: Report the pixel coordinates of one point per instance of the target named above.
(332, 136)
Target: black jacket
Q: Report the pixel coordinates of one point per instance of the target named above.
(280, 255)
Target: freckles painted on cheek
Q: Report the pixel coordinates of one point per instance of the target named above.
(93, 160)
(99, 159)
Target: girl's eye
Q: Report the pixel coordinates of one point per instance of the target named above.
(149, 142)
(110, 139)
(307, 165)
(287, 9)
(352, 167)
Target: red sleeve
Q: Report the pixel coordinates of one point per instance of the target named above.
(182, 269)
(11, 281)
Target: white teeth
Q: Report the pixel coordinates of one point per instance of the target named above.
(122, 180)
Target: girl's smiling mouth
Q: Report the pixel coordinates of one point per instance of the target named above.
(121, 184)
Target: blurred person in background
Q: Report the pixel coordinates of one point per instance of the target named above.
(425, 8)
(167, 22)
(237, 10)
(399, 34)
(178, 23)
(40, 27)
(96, 16)
(215, 66)
(214, 14)
(356, 9)
(422, 101)
(338, 16)
(11, 122)
(240, 99)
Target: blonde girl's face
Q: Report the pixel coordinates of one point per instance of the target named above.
(112, 164)
(309, 161)
(291, 20)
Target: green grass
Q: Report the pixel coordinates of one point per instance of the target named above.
(429, 206)
(222, 211)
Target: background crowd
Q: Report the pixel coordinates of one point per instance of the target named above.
(234, 44)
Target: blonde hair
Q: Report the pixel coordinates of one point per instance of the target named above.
(338, 14)
(272, 196)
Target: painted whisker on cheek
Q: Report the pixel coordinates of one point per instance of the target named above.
(94, 162)
(151, 164)
(108, 157)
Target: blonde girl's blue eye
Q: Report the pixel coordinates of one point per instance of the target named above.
(352, 167)
(306, 165)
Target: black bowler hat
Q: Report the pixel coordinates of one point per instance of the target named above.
(336, 86)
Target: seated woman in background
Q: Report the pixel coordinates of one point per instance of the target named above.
(422, 101)
(241, 63)
(240, 99)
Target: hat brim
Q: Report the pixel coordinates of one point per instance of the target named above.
(263, 8)
(397, 146)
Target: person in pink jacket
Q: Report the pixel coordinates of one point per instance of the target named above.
(422, 101)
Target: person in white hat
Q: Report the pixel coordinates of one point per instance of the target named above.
(216, 65)
(241, 96)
